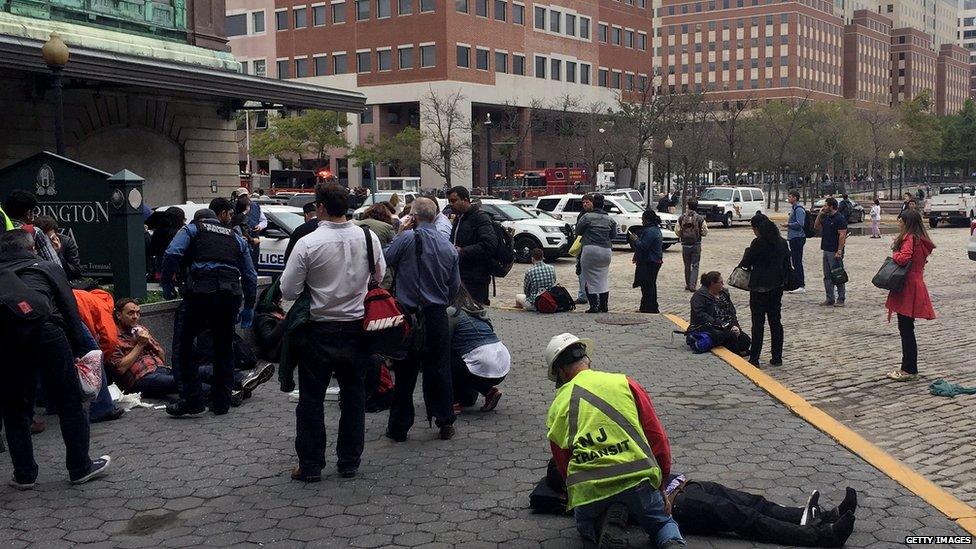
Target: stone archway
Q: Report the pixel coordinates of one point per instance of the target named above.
(141, 150)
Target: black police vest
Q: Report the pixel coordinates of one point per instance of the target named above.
(214, 243)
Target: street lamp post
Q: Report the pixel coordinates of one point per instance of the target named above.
(488, 155)
(667, 148)
(901, 179)
(891, 174)
(55, 54)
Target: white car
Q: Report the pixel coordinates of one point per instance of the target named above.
(972, 241)
(529, 230)
(625, 212)
(728, 204)
(406, 197)
(632, 194)
(282, 221)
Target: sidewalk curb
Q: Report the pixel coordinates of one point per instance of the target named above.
(953, 508)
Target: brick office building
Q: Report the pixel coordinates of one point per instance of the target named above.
(913, 64)
(867, 59)
(952, 79)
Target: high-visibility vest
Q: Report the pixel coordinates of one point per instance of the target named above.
(8, 225)
(595, 417)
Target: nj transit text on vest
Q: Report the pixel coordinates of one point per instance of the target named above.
(582, 455)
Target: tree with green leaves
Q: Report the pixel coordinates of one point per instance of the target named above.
(400, 152)
(308, 135)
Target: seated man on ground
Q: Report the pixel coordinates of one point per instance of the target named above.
(140, 362)
(541, 277)
(612, 452)
(712, 312)
(479, 360)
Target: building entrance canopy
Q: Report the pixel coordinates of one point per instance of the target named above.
(121, 70)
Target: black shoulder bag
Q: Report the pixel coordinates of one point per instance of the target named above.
(891, 276)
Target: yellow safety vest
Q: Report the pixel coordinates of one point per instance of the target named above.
(8, 225)
(595, 416)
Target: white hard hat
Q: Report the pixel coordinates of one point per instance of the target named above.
(557, 345)
(242, 191)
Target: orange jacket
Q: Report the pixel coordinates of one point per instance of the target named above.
(97, 312)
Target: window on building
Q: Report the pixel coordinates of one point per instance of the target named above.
(283, 71)
(261, 120)
(318, 16)
(518, 14)
(257, 22)
(428, 56)
(783, 39)
(501, 62)
(339, 12)
(629, 39)
(540, 66)
(584, 28)
(617, 33)
(570, 24)
(362, 10)
(783, 61)
(281, 20)
(501, 10)
(464, 57)
(642, 43)
(784, 81)
(540, 18)
(784, 18)
(364, 61)
(481, 59)
(603, 78)
(584, 74)
(615, 80)
(383, 8)
(236, 25)
(755, 63)
(260, 67)
(366, 117)
(555, 21)
(481, 8)
(630, 82)
(405, 7)
(555, 69)
(602, 31)
(890, 8)
(301, 68)
(339, 65)
(245, 65)
(570, 71)
(426, 6)
(461, 6)
(642, 82)
(301, 18)
(406, 58)
(384, 60)
(518, 64)
(321, 65)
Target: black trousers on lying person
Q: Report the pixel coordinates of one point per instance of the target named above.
(468, 386)
(708, 508)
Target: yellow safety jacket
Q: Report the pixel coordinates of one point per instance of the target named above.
(8, 225)
(595, 417)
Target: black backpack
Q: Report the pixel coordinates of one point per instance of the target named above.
(504, 255)
(564, 301)
(22, 309)
(808, 224)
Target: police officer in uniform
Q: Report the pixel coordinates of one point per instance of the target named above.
(610, 448)
(217, 273)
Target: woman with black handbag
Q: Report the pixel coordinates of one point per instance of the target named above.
(911, 248)
(768, 260)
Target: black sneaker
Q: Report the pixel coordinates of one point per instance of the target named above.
(613, 528)
(776, 362)
(447, 432)
(98, 468)
(395, 437)
(182, 408)
(836, 534)
(14, 483)
(811, 510)
(257, 376)
(237, 398)
(302, 476)
(347, 473)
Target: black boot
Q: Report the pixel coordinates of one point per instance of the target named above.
(836, 534)
(604, 302)
(594, 300)
(848, 505)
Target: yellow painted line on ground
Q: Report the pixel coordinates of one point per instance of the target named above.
(946, 503)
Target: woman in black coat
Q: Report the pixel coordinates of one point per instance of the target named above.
(768, 258)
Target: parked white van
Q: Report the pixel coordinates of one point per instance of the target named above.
(728, 204)
(625, 212)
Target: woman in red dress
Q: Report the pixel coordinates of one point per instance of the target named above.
(912, 247)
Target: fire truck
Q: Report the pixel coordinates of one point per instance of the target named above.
(297, 181)
(545, 181)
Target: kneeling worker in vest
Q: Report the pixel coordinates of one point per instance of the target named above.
(609, 446)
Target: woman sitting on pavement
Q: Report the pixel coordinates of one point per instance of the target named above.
(768, 260)
(712, 312)
(479, 360)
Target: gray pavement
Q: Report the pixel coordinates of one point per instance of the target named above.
(224, 482)
(837, 358)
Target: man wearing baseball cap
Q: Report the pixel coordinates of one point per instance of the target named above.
(610, 447)
(256, 219)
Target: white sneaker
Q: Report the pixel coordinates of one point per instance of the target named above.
(293, 396)
(798, 291)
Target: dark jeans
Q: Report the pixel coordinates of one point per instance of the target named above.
(644, 504)
(691, 255)
(218, 311)
(909, 347)
(327, 349)
(648, 288)
(48, 352)
(796, 251)
(102, 405)
(766, 305)
(468, 386)
(435, 362)
(738, 344)
(707, 508)
(477, 289)
(162, 383)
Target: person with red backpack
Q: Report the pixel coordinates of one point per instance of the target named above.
(539, 279)
(19, 207)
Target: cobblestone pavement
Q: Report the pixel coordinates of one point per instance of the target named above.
(224, 482)
(837, 358)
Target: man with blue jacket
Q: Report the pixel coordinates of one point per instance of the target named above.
(217, 274)
(797, 238)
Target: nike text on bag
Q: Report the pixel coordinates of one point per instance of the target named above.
(504, 255)
(387, 330)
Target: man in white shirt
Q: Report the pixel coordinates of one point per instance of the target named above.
(332, 263)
